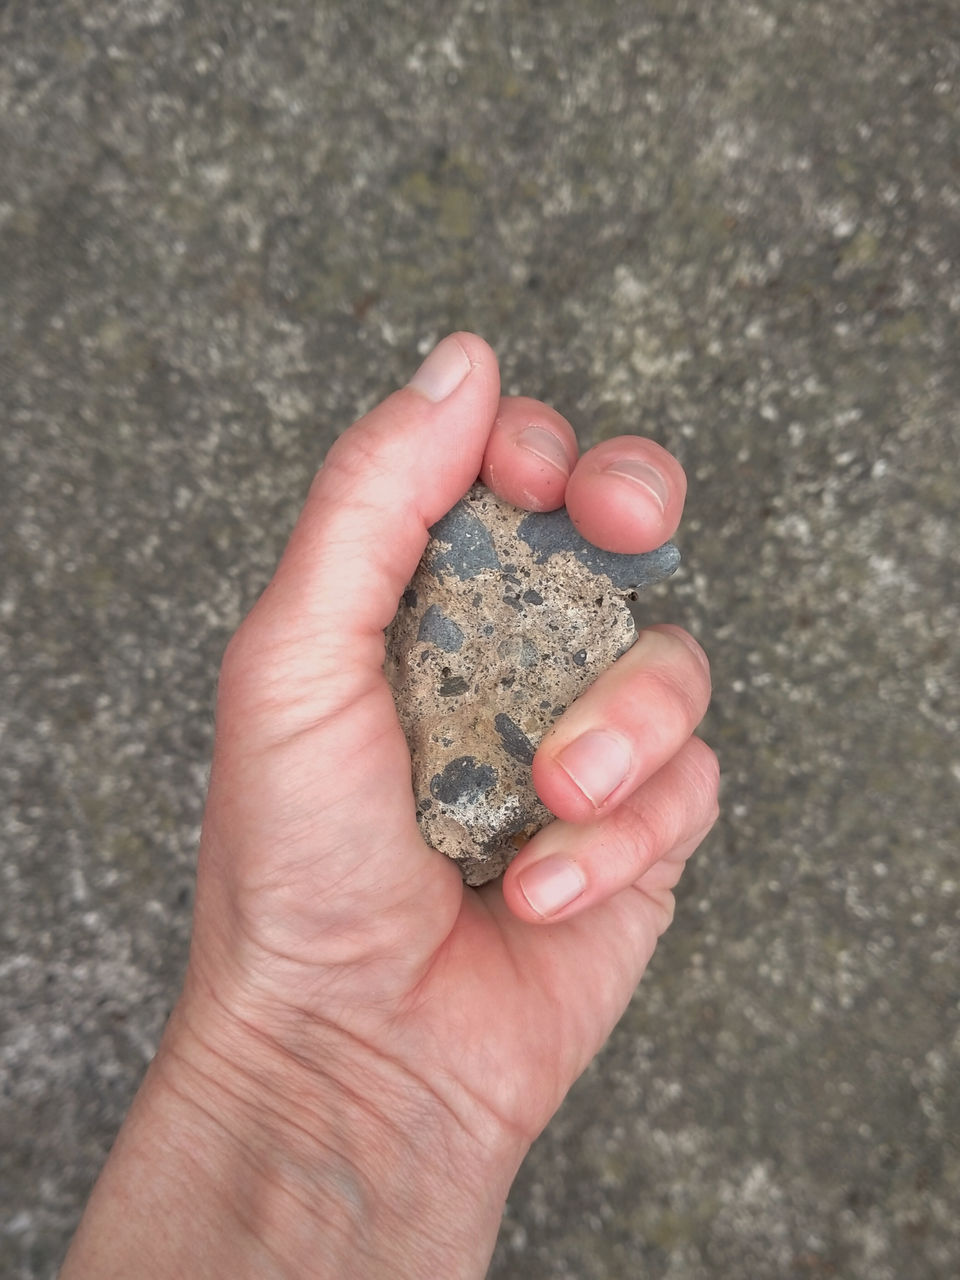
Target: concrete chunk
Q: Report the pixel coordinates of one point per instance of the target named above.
(509, 616)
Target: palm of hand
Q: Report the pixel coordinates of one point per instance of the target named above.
(439, 981)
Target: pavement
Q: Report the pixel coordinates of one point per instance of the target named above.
(225, 230)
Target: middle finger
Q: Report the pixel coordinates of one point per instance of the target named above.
(633, 719)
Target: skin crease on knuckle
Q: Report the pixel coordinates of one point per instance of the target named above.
(681, 683)
(659, 677)
(655, 707)
(691, 645)
(661, 816)
(703, 771)
(626, 851)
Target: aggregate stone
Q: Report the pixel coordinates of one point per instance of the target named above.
(509, 616)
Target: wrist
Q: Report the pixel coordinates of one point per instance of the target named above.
(344, 1151)
(282, 1163)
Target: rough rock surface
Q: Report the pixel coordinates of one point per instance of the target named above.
(509, 615)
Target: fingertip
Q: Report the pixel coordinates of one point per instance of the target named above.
(626, 495)
(454, 360)
(484, 365)
(477, 350)
(545, 887)
(557, 788)
(530, 454)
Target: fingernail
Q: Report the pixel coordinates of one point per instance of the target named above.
(442, 372)
(643, 474)
(551, 884)
(597, 762)
(545, 445)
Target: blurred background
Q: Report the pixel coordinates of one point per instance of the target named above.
(228, 228)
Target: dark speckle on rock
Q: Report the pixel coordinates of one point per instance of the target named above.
(547, 533)
(470, 548)
(533, 597)
(441, 630)
(580, 657)
(515, 741)
(450, 686)
(463, 781)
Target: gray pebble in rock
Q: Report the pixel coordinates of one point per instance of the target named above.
(509, 616)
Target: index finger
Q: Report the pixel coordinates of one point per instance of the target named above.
(530, 455)
(625, 494)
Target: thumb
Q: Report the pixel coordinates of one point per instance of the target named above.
(315, 637)
(310, 827)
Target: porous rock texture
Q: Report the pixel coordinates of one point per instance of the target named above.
(509, 616)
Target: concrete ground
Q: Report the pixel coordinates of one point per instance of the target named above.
(225, 228)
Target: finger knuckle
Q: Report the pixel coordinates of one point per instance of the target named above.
(359, 456)
(705, 759)
(660, 903)
(632, 844)
(667, 904)
(684, 637)
(703, 776)
(246, 666)
(235, 664)
(665, 694)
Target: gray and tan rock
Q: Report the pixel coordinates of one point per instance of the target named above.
(509, 616)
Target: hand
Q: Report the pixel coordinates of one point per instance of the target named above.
(365, 1049)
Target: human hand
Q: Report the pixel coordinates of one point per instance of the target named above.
(365, 1048)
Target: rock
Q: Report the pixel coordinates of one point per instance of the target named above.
(509, 616)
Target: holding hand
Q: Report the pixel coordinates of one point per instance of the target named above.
(365, 1049)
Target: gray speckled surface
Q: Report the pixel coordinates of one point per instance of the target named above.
(226, 229)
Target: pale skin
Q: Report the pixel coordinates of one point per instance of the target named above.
(364, 1049)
